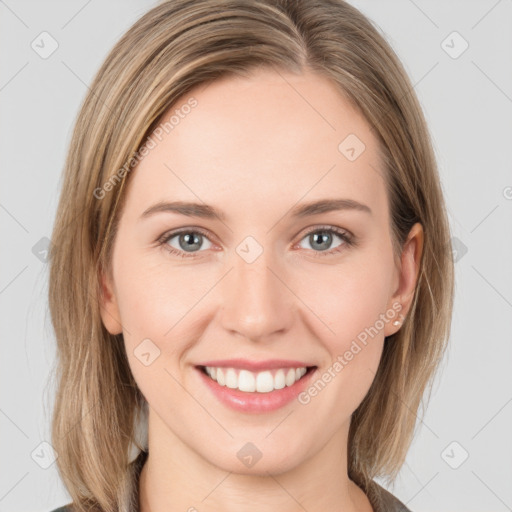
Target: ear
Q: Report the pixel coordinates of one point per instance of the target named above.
(408, 272)
(109, 309)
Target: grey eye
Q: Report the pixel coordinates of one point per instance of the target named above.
(321, 240)
(188, 241)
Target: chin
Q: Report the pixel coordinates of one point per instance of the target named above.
(248, 458)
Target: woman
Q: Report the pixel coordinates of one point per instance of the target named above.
(219, 144)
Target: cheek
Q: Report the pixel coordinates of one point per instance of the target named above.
(348, 298)
(155, 303)
(162, 306)
(350, 304)
(154, 294)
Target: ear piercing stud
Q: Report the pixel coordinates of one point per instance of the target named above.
(398, 322)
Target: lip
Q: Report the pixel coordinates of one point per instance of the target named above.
(255, 366)
(254, 402)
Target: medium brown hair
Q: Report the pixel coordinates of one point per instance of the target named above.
(174, 47)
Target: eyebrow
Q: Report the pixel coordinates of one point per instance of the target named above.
(206, 211)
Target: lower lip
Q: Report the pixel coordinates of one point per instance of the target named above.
(256, 402)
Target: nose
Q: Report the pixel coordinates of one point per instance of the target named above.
(257, 301)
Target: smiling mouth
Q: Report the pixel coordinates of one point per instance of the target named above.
(259, 382)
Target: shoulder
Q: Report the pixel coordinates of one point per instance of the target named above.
(384, 501)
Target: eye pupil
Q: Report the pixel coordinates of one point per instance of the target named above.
(320, 235)
(190, 241)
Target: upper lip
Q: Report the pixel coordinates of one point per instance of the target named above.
(246, 364)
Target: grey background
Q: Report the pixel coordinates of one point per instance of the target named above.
(468, 105)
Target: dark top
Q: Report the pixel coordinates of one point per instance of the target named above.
(381, 499)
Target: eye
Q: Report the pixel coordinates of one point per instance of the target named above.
(321, 238)
(186, 243)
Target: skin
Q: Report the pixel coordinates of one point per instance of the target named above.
(255, 148)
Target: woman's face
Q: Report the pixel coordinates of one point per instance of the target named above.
(266, 280)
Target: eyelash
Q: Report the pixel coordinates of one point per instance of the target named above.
(348, 239)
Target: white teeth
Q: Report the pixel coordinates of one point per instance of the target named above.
(246, 381)
(231, 379)
(220, 377)
(290, 377)
(279, 382)
(262, 382)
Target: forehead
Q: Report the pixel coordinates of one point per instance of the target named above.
(266, 140)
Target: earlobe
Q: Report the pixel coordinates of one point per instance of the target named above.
(109, 309)
(408, 277)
